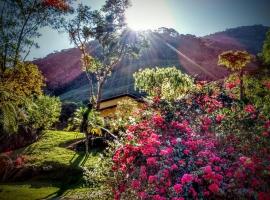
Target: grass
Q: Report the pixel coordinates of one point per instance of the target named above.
(25, 191)
(51, 148)
(64, 174)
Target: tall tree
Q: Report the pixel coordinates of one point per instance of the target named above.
(113, 41)
(236, 61)
(20, 22)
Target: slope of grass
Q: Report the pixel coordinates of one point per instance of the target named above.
(51, 149)
(60, 169)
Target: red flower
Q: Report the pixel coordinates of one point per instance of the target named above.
(213, 188)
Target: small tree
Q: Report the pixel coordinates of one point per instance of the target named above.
(266, 49)
(236, 61)
(112, 40)
(168, 83)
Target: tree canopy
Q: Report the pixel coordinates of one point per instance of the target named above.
(20, 22)
(168, 83)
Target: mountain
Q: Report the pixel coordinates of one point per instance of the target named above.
(196, 56)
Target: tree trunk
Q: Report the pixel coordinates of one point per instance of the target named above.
(99, 92)
(86, 144)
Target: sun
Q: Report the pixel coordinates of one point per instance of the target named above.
(149, 14)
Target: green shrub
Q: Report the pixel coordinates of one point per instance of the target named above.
(43, 112)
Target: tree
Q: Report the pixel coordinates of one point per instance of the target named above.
(20, 22)
(168, 83)
(266, 49)
(16, 86)
(113, 41)
(236, 61)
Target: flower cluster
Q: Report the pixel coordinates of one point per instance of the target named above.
(179, 159)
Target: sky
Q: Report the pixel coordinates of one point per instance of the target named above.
(197, 17)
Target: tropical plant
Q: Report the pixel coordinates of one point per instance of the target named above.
(95, 122)
(168, 83)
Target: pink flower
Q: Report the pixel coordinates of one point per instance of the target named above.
(219, 118)
(174, 167)
(178, 188)
(181, 162)
(151, 161)
(213, 188)
(158, 197)
(143, 173)
(207, 169)
(148, 150)
(135, 184)
(187, 178)
(186, 151)
(158, 120)
(166, 151)
(265, 134)
(230, 86)
(142, 195)
(152, 179)
(249, 108)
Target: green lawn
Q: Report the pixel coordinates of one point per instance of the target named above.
(63, 175)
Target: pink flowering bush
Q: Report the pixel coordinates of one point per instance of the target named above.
(192, 149)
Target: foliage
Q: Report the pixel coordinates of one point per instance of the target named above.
(266, 49)
(125, 114)
(22, 81)
(20, 24)
(17, 85)
(234, 60)
(43, 112)
(256, 89)
(168, 83)
(200, 147)
(94, 121)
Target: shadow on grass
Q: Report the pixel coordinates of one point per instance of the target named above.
(78, 160)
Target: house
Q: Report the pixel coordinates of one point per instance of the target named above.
(108, 106)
